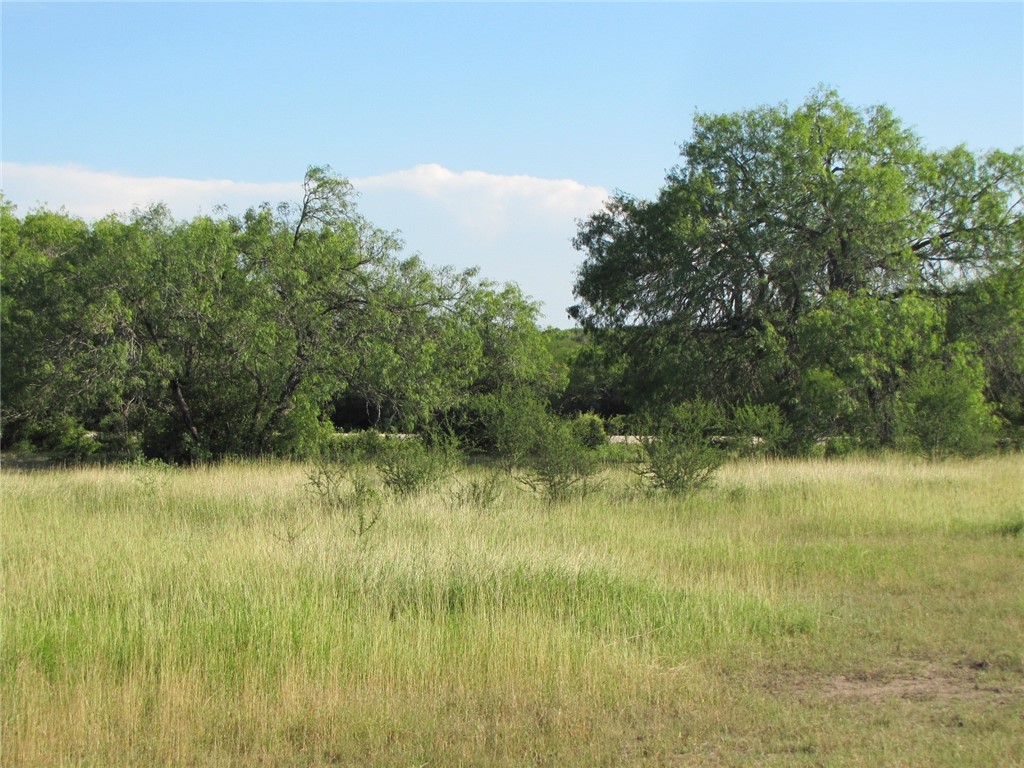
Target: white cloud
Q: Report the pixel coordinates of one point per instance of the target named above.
(94, 194)
(436, 181)
(488, 204)
(513, 227)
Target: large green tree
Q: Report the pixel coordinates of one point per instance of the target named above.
(771, 212)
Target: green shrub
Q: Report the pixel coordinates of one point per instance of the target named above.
(481, 494)
(408, 465)
(677, 452)
(354, 447)
(618, 425)
(303, 433)
(942, 410)
(66, 438)
(588, 428)
(759, 430)
(559, 466)
(512, 422)
(349, 489)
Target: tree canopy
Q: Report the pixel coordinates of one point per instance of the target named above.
(242, 335)
(793, 246)
(816, 274)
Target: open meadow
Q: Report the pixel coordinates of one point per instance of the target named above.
(858, 612)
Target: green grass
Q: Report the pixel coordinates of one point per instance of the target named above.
(862, 612)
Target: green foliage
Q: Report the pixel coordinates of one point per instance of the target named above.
(677, 452)
(190, 340)
(355, 447)
(595, 374)
(988, 314)
(65, 438)
(588, 429)
(510, 423)
(304, 433)
(409, 466)
(852, 387)
(806, 257)
(559, 466)
(943, 410)
(759, 430)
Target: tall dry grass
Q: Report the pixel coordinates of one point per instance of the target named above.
(222, 616)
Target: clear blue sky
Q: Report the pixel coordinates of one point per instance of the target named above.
(554, 105)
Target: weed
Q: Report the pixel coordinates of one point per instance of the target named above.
(349, 489)
(410, 466)
(481, 494)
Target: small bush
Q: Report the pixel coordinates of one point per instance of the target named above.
(759, 430)
(409, 466)
(65, 438)
(619, 424)
(559, 466)
(354, 447)
(588, 428)
(677, 454)
(348, 489)
(513, 422)
(481, 494)
(151, 475)
(840, 446)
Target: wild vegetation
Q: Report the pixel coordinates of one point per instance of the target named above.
(820, 260)
(781, 232)
(274, 495)
(861, 612)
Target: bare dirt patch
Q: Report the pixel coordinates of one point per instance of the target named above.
(963, 681)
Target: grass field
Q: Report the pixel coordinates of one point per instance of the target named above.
(864, 612)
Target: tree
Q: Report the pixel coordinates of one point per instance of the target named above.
(508, 368)
(988, 314)
(242, 335)
(771, 213)
(851, 388)
(47, 378)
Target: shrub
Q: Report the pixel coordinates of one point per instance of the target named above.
(588, 428)
(409, 466)
(481, 494)
(559, 466)
(942, 410)
(65, 438)
(760, 430)
(618, 425)
(303, 434)
(356, 447)
(512, 422)
(676, 452)
(347, 488)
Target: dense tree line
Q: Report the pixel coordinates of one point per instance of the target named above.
(243, 335)
(805, 277)
(823, 262)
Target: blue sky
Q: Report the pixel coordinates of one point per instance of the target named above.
(481, 131)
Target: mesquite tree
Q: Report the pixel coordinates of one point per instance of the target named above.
(717, 288)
